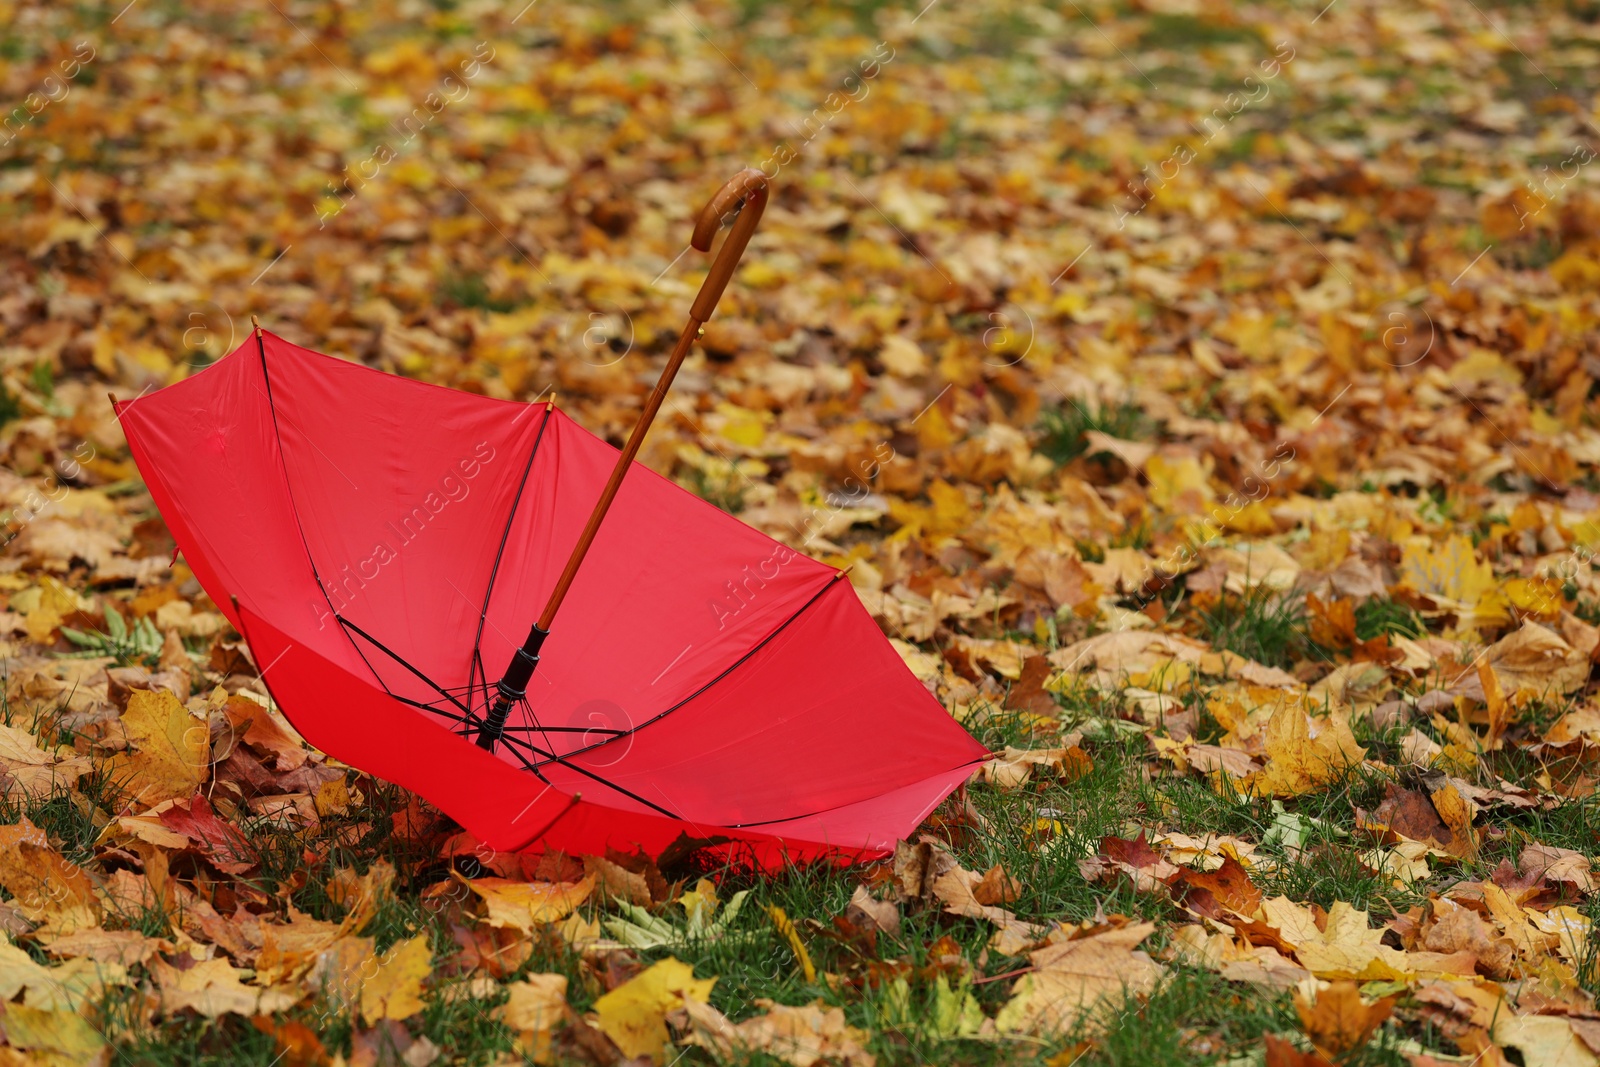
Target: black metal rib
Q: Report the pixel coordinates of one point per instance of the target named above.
(735, 665)
(553, 758)
(381, 647)
(475, 668)
(294, 508)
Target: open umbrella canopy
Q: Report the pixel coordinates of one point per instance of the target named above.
(383, 543)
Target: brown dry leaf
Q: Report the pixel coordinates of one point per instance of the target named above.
(1536, 659)
(214, 988)
(1017, 765)
(1564, 866)
(804, 1036)
(881, 915)
(916, 867)
(171, 750)
(618, 881)
(28, 770)
(1087, 979)
(1456, 928)
(45, 886)
(128, 948)
(394, 991)
(1337, 1018)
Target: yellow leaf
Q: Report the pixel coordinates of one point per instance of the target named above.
(524, 905)
(395, 990)
(1172, 480)
(1453, 575)
(170, 749)
(1297, 761)
(791, 935)
(1345, 948)
(214, 988)
(809, 1034)
(34, 771)
(44, 885)
(1543, 1040)
(633, 1015)
(73, 985)
(538, 1005)
(65, 1033)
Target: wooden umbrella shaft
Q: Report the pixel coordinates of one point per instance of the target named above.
(514, 683)
(749, 188)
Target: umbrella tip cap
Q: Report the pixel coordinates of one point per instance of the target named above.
(256, 323)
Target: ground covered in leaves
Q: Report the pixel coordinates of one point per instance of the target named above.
(1202, 396)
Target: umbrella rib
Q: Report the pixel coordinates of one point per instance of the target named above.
(499, 553)
(821, 811)
(735, 665)
(551, 757)
(379, 645)
(294, 508)
(471, 718)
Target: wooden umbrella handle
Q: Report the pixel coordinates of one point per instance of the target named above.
(749, 188)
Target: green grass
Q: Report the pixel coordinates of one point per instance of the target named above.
(1064, 427)
(472, 291)
(1380, 616)
(1261, 624)
(1187, 31)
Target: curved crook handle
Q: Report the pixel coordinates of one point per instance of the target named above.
(748, 187)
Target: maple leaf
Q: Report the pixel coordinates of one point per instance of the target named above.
(633, 1015)
(394, 991)
(214, 988)
(33, 771)
(535, 1009)
(1305, 755)
(45, 886)
(1088, 978)
(525, 905)
(1337, 1018)
(170, 749)
(803, 1036)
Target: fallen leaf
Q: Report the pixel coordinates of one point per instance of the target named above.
(1087, 979)
(633, 1015)
(1337, 1018)
(536, 1008)
(171, 750)
(394, 991)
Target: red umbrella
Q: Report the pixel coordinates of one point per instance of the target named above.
(378, 541)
